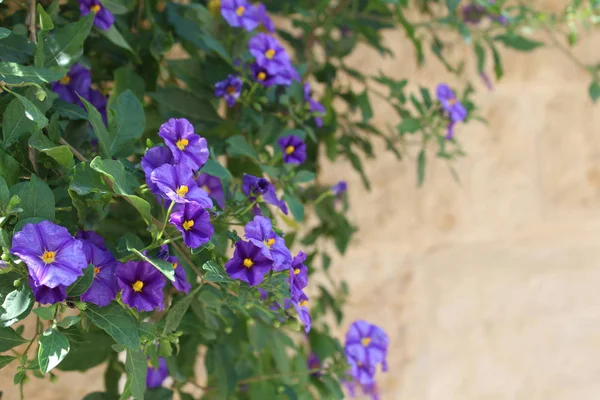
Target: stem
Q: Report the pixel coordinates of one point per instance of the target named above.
(322, 197)
(166, 220)
(31, 21)
(245, 210)
(77, 154)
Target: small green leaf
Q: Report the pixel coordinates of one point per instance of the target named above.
(115, 36)
(4, 33)
(5, 360)
(452, 4)
(15, 302)
(54, 347)
(83, 283)
(177, 311)
(136, 367)
(69, 321)
(365, 106)
(115, 321)
(214, 273)
(9, 339)
(163, 266)
(61, 154)
(15, 124)
(304, 176)
(498, 69)
(295, 206)
(99, 128)
(4, 194)
(214, 168)
(126, 122)
(10, 168)
(239, 146)
(518, 42)
(421, 167)
(480, 54)
(37, 199)
(32, 113)
(594, 91)
(45, 313)
(409, 125)
(64, 45)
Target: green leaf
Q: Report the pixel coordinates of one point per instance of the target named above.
(295, 206)
(594, 91)
(183, 103)
(45, 313)
(498, 69)
(4, 193)
(409, 125)
(15, 74)
(238, 146)
(83, 283)
(165, 267)
(136, 367)
(99, 128)
(4, 33)
(115, 37)
(15, 124)
(480, 54)
(177, 311)
(517, 42)
(5, 360)
(31, 111)
(452, 4)
(9, 339)
(88, 349)
(86, 180)
(421, 168)
(126, 124)
(15, 302)
(117, 7)
(61, 154)
(69, 321)
(64, 45)
(127, 79)
(10, 168)
(214, 168)
(214, 273)
(37, 200)
(304, 176)
(54, 347)
(365, 106)
(16, 48)
(117, 322)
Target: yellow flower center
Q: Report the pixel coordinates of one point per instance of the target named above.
(365, 341)
(187, 225)
(175, 265)
(248, 263)
(95, 8)
(137, 286)
(65, 80)
(206, 189)
(240, 11)
(270, 54)
(296, 271)
(182, 190)
(182, 144)
(303, 303)
(359, 363)
(452, 101)
(231, 89)
(96, 271)
(48, 257)
(261, 76)
(289, 149)
(270, 242)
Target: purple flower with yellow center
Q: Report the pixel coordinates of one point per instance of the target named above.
(269, 53)
(268, 79)
(104, 287)
(260, 232)
(180, 282)
(248, 263)
(212, 185)
(230, 89)
(240, 14)
(293, 148)
(339, 188)
(142, 285)
(193, 222)
(264, 19)
(176, 183)
(76, 81)
(366, 344)
(188, 148)
(154, 158)
(156, 376)
(53, 256)
(314, 106)
(103, 19)
(298, 273)
(456, 111)
(255, 187)
(45, 295)
(301, 306)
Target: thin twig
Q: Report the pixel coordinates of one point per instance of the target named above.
(76, 153)
(31, 21)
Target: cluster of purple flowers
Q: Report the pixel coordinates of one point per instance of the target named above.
(77, 82)
(451, 106)
(272, 64)
(366, 347)
(172, 175)
(103, 18)
(242, 14)
(473, 13)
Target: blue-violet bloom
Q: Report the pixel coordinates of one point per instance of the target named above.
(104, 287)
(103, 19)
(156, 376)
(456, 111)
(314, 106)
(339, 188)
(366, 344)
(212, 185)
(176, 183)
(248, 263)
(254, 187)
(260, 232)
(180, 282)
(45, 295)
(142, 285)
(293, 148)
(154, 158)
(240, 14)
(230, 89)
(76, 82)
(188, 148)
(261, 13)
(193, 222)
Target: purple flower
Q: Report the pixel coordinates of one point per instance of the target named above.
(176, 183)
(193, 222)
(301, 306)
(230, 89)
(313, 362)
(163, 252)
(450, 130)
(264, 19)
(260, 232)
(99, 101)
(298, 273)
(76, 81)
(180, 282)
(53, 256)
(339, 188)
(254, 187)
(187, 147)
(456, 111)
(473, 13)
(154, 158)
(103, 19)
(366, 344)
(248, 263)
(142, 285)
(93, 238)
(240, 14)
(293, 148)
(156, 376)
(269, 53)
(45, 295)
(104, 287)
(212, 185)
(268, 79)
(314, 106)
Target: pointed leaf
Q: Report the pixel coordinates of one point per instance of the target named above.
(9, 339)
(54, 347)
(115, 321)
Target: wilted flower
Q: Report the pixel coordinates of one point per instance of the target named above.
(188, 148)
(142, 285)
(103, 19)
(156, 376)
(180, 282)
(254, 187)
(230, 89)
(176, 183)
(456, 111)
(212, 185)
(248, 263)
(293, 148)
(240, 14)
(260, 232)
(53, 256)
(46, 295)
(104, 287)
(194, 224)
(154, 158)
